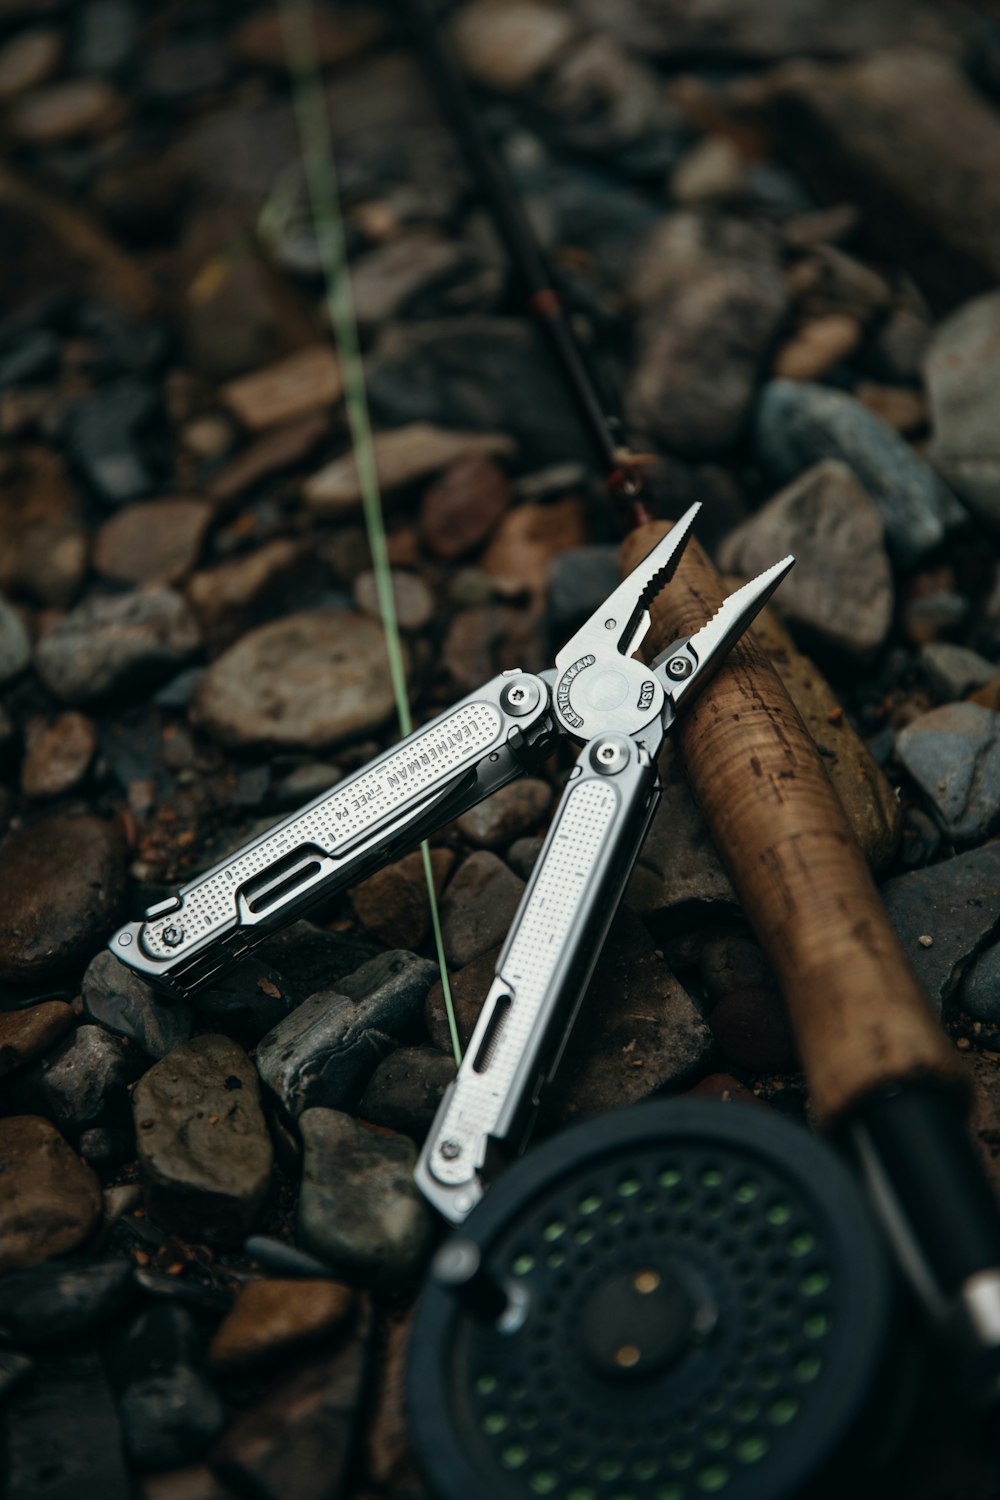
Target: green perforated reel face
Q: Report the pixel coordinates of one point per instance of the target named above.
(681, 1300)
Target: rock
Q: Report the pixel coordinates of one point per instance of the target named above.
(169, 1410)
(979, 995)
(507, 46)
(327, 1049)
(26, 1034)
(247, 1002)
(896, 405)
(51, 1303)
(579, 581)
(82, 1082)
(116, 998)
(66, 111)
(57, 755)
(63, 1437)
(953, 754)
(402, 456)
(301, 383)
(799, 424)
(899, 347)
(714, 168)
(841, 586)
(955, 904)
(310, 957)
(459, 512)
(469, 988)
(43, 541)
(229, 598)
(478, 906)
(341, 33)
(277, 449)
(818, 346)
(747, 1015)
(14, 1368)
(158, 541)
(359, 1208)
(677, 868)
(50, 1201)
(310, 681)
(725, 1088)
(961, 370)
(510, 810)
(406, 1089)
(388, 1453)
(413, 599)
(113, 441)
(61, 885)
(204, 1151)
(523, 854)
(385, 280)
(29, 360)
(305, 783)
(392, 904)
(606, 100)
(190, 1482)
(529, 538)
(271, 1318)
(28, 59)
(113, 645)
(954, 671)
(15, 648)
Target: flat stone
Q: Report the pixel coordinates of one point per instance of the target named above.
(961, 371)
(469, 987)
(66, 111)
(403, 456)
(798, 424)
(458, 513)
(677, 868)
(50, 1303)
(954, 671)
(527, 541)
(277, 449)
(247, 1002)
(406, 1089)
(44, 545)
(392, 904)
(28, 59)
(61, 886)
(26, 1034)
(50, 1201)
(301, 383)
(840, 589)
(82, 1082)
(15, 647)
(157, 541)
(228, 599)
(169, 1410)
(818, 346)
(478, 906)
(310, 681)
(57, 755)
(359, 1208)
(310, 957)
(507, 46)
(271, 1318)
(204, 1152)
(386, 279)
(117, 645)
(523, 853)
(116, 998)
(413, 599)
(511, 810)
(953, 754)
(114, 441)
(63, 1437)
(579, 581)
(954, 903)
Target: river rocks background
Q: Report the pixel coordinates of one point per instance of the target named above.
(776, 227)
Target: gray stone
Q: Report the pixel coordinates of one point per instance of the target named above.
(63, 1437)
(957, 905)
(798, 424)
(406, 1089)
(116, 998)
(169, 1410)
(962, 376)
(53, 1302)
(954, 671)
(359, 1208)
(326, 1050)
(510, 810)
(677, 866)
(478, 906)
(204, 1151)
(841, 586)
(81, 1083)
(979, 995)
(387, 278)
(121, 644)
(15, 648)
(107, 441)
(953, 754)
(580, 579)
(523, 853)
(247, 1002)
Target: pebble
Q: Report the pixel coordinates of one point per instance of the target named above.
(961, 371)
(528, 540)
(58, 755)
(157, 541)
(61, 886)
(469, 988)
(712, 170)
(66, 111)
(80, 1083)
(310, 681)
(295, 386)
(392, 904)
(271, 1318)
(405, 1090)
(413, 599)
(579, 581)
(250, 1000)
(14, 1368)
(677, 866)
(116, 998)
(50, 1200)
(359, 1208)
(403, 456)
(108, 441)
(460, 511)
(204, 1152)
(311, 957)
(116, 645)
(747, 1015)
(478, 906)
(277, 449)
(28, 1033)
(818, 346)
(953, 754)
(29, 59)
(341, 32)
(305, 783)
(51, 1303)
(954, 671)
(190, 1482)
(979, 995)
(955, 902)
(507, 812)
(896, 405)
(841, 588)
(523, 853)
(169, 1410)
(386, 280)
(63, 1436)
(229, 598)
(326, 1050)
(15, 647)
(508, 46)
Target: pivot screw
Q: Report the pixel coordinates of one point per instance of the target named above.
(450, 1150)
(609, 755)
(173, 936)
(520, 697)
(679, 667)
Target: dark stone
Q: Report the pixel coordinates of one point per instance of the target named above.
(953, 754)
(107, 1145)
(32, 360)
(62, 1299)
(169, 1410)
(50, 1201)
(406, 1089)
(478, 906)
(114, 442)
(747, 1014)
(116, 998)
(312, 958)
(512, 809)
(27, 1033)
(580, 579)
(63, 1438)
(14, 1368)
(979, 995)
(469, 988)
(247, 1003)
(957, 905)
(80, 1083)
(117, 644)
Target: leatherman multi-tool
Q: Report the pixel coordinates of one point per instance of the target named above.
(597, 694)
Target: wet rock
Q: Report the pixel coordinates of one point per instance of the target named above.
(406, 1089)
(49, 1303)
(309, 681)
(301, 383)
(953, 754)
(747, 1015)
(955, 904)
(28, 1033)
(327, 1049)
(527, 541)
(800, 424)
(961, 370)
(82, 1082)
(277, 449)
(979, 995)
(50, 1201)
(15, 648)
(507, 47)
(156, 542)
(169, 1410)
(76, 108)
(113, 441)
(677, 868)
(63, 1434)
(271, 1318)
(413, 599)
(841, 586)
(459, 512)
(579, 581)
(247, 1002)
(228, 599)
(28, 59)
(511, 810)
(57, 755)
(478, 906)
(523, 853)
(818, 346)
(61, 885)
(402, 456)
(116, 998)
(954, 671)
(43, 542)
(311, 957)
(204, 1151)
(117, 645)
(392, 904)
(359, 1208)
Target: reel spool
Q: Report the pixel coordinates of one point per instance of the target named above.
(680, 1300)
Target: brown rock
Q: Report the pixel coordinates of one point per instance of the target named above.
(507, 812)
(153, 541)
(26, 1034)
(507, 45)
(58, 755)
(50, 1201)
(392, 904)
(280, 448)
(387, 1444)
(898, 405)
(469, 988)
(459, 512)
(43, 541)
(340, 33)
(193, 1482)
(413, 599)
(299, 384)
(478, 906)
(984, 1123)
(402, 456)
(78, 107)
(725, 1088)
(529, 537)
(269, 1318)
(483, 641)
(228, 598)
(817, 346)
(28, 59)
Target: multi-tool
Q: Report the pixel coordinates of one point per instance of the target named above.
(598, 695)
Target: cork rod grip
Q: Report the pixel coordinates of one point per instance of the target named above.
(859, 1015)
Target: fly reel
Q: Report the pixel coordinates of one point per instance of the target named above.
(679, 1300)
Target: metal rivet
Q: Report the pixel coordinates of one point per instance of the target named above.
(679, 667)
(450, 1150)
(173, 936)
(124, 938)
